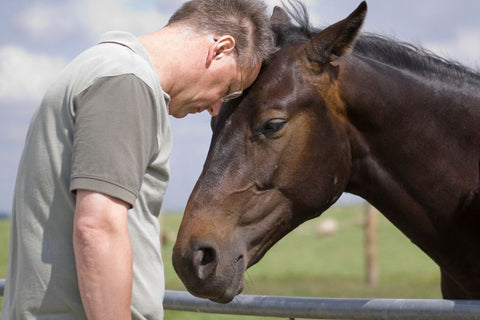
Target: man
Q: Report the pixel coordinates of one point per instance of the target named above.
(85, 232)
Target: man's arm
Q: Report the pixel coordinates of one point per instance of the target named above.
(103, 255)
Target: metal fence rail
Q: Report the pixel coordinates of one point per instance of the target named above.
(325, 308)
(329, 308)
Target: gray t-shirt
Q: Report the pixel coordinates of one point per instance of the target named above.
(102, 126)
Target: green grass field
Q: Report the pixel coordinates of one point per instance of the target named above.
(303, 264)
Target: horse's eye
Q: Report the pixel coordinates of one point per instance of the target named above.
(273, 125)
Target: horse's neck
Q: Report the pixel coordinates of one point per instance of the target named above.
(411, 140)
(416, 157)
(381, 97)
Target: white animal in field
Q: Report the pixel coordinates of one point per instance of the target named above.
(326, 227)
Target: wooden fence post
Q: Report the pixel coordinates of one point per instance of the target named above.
(371, 250)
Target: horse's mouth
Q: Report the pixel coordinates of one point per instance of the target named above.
(236, 285)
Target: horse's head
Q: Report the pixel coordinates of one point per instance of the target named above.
(279, 156)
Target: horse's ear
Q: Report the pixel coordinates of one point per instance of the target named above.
(338, 39)
(279, 17)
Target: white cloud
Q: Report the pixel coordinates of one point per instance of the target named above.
(42, 20)
(106, 15)
(464, 47)
(25, 75)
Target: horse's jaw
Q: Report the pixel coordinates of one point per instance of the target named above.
(214, 249)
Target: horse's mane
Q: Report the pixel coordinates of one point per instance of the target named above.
(384, 49)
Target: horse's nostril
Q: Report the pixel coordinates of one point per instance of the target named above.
(205, 260)
(204, 256)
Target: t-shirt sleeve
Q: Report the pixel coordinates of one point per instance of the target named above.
(114, 136)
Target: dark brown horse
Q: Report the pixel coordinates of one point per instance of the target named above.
(331, 113)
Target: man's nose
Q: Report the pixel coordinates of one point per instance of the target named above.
(214, 109)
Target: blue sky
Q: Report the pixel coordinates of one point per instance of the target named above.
(38, 38)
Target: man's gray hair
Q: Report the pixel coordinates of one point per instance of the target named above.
(245, 20)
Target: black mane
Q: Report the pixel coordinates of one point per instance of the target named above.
(401, 55)
(415, 59)
(288, 34)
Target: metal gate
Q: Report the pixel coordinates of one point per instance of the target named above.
(325, 308)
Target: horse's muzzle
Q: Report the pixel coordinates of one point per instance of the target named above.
(205, 275)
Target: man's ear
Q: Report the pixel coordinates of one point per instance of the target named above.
(221, 46)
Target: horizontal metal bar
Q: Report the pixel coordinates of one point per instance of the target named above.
(325, 308)
(329, 308)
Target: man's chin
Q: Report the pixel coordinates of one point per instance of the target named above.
(183, 112)
(179, 116)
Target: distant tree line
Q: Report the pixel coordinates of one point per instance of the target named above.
(4, 215)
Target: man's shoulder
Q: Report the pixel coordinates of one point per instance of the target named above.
(127, 50)
(109, 58)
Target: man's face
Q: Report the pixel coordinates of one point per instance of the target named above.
(221, 79)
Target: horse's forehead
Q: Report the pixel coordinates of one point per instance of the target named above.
(277, 74)
(288, 77)
(280, 85)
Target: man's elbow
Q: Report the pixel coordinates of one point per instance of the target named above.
(98, 219)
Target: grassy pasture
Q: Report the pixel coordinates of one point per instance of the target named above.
(304, 264)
